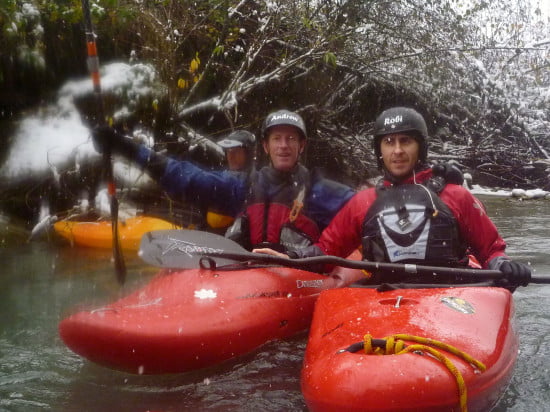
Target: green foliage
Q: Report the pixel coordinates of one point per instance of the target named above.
(62, 11)
(21, 42)
(330, 59)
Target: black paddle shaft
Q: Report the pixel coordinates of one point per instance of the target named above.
(186, 249)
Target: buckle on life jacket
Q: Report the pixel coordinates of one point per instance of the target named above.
(403, 216)
(297, 205)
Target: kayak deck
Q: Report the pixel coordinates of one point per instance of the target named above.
(190, 319)
(476, 321)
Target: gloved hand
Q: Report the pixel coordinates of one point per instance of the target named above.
(107, 139)
(449, 172)
(517, 274)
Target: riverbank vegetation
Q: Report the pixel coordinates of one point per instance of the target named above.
(479, 72)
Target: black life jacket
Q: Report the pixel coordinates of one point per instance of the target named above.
(409, 223)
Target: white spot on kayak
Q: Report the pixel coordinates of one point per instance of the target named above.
(141, 369)
(205, 294)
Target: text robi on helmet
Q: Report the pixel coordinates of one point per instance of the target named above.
(393, 120)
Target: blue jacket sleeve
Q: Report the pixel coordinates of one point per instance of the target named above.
(221, 189)
(325, 199)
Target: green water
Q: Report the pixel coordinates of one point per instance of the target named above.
(42, 281)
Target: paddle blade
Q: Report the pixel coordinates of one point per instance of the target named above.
(184, 249)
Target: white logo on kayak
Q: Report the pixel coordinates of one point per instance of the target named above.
(309, 283)
(458, 304)
(189, 248)
(205, 294)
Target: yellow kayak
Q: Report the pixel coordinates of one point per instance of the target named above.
(99, 234)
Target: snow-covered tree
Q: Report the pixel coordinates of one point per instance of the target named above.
(478, 72)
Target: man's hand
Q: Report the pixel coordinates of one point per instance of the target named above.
(106, 139)
(271, 252)
(516, 273)
(109, 140)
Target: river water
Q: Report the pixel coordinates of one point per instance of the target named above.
(43, 281)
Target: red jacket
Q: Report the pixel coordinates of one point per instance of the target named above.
(343, 235)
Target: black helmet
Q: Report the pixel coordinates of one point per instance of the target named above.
(238, 138)
(284, 117)
(401, 120)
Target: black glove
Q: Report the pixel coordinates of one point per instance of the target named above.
(449, 172)
(107, 139)
(104, 137)
(516, 273)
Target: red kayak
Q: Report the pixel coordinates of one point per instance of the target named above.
(194, 318)
(460, 348)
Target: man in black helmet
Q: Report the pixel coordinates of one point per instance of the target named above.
(413, 216)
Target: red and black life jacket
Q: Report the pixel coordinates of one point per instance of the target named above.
(277, 211)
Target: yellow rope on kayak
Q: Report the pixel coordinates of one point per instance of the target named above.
(395, 345)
